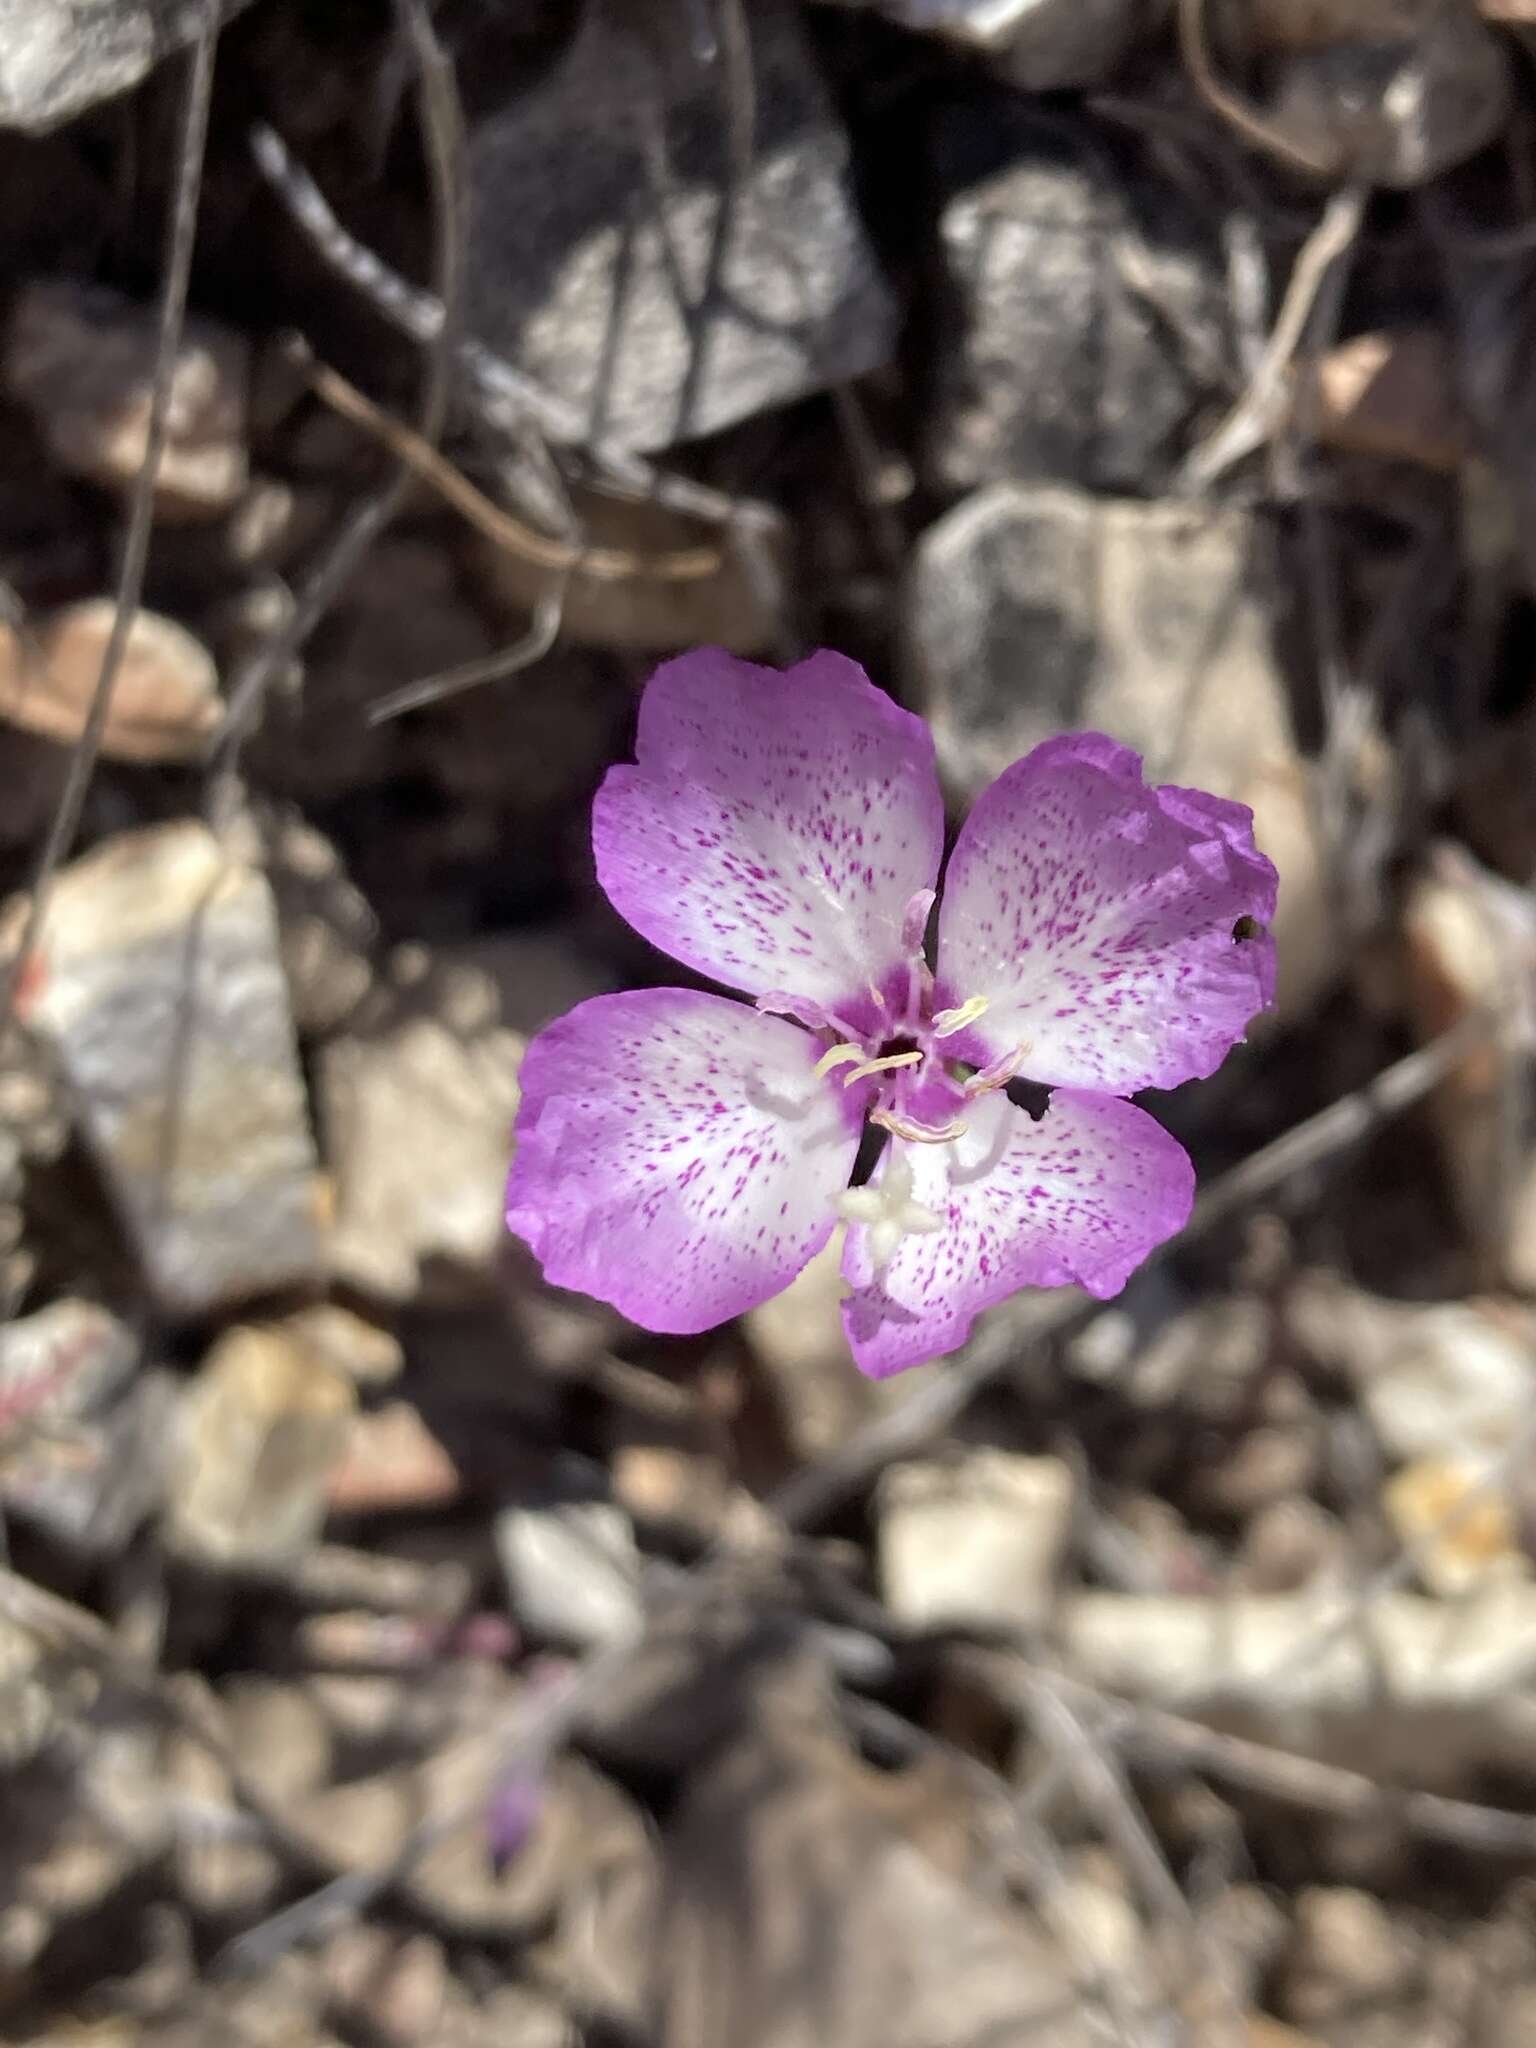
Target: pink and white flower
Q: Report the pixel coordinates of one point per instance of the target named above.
(682, 1155)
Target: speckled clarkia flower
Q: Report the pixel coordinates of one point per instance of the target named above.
(682, 1155)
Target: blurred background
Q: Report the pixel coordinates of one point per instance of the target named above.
(394, 1651)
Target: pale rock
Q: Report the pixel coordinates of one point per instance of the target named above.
(1453, 1517)
(975, 1544)
(417, 1101)
(1348, 1956)
(1273, 1463)
(61, 1362)
(165, 695)
(1034, 610)
(326, 929)
(1038, 45)
(1289, 1544)
(60, 57)
(344, 1342)
(1470, 941)
(82, 359)
(159, 983)
(572, 1570)
(261, 1427)
(656, 304)
(1411, 1688)
(1435, 1378)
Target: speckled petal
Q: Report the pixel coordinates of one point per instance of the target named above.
(676, 1154)
(1105, 921)
(775, 826)
(1080, 1197)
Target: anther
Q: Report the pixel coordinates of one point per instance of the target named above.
(837, 1056)
(920, 1134)
(1000, 1073)
(882, 1065)
(947, 1022)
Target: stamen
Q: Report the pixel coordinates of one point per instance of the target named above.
(882, 1066)
(920, 1134)
(947, 1022)
(1000, 1073)
(837, 1056)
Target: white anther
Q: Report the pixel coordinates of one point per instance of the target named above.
(1000, 1073)
(882, 1065)
(920, 1134)
(888, 1212)
(947, 1022)
(837, 1056)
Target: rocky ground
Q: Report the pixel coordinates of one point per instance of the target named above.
(393, 1651)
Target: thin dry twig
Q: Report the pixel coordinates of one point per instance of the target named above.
(1261, 410)
(442, 131)
(503, 528)
(1094, 1772)
(180, 237)
(543, 631)
(1219, 96)
(1158, 1737)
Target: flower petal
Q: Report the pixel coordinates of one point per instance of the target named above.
(776, 824)
(676, 1154)
(1104, 920)
(1081, 1196)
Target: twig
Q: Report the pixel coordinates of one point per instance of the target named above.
(1094, 1772)
(503, 528)
(1160, 1737)
(180, 237)
(1219, 96)
(442, 132)
(1258, 413)
(507, 661)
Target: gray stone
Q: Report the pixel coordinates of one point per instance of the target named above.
(1041, 45)
(1034, 610)
(1083, 314)
(59, 57)
(82, 359)
(160, 984)
(611, 261)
